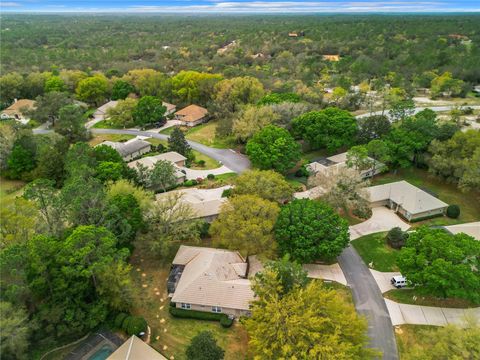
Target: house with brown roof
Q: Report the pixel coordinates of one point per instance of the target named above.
(192, 115)
(210, 280)
(170, 108)
(18, 110)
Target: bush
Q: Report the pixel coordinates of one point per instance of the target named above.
(363, 211)
(204, 227)
(453, 211)
(119, 319)
(200, 315)
(210, 177)
(134, 325)
(190, 183)
(201, 163)
(225, 321)
(396, 238)
(227, 193)
(302, 172)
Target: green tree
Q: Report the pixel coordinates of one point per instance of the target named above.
(357, 158)
(109, 171)
(51, 158)
(47, 107)
(266, 184)
(310, 230)
(106, 153)
(246, 223)
(442, 264)
(204, 347)
(163, 175)
(372, 127)
(93, 89)
(149, 110)
(20, 221)
(278, 98)
(144, 198)
(401, 109)
(191, 87)
(7, 140)
(125, 217)
(148, 82)
(446, 84)
(54, 83)
(273, 148)
(121, 89)
(378, 150)
(71, 123)
(20, 162)
(320, 325)
(251, 120)
(121, 115)
(15, 330)
(330, 128)
(178, 143)
(11, 85)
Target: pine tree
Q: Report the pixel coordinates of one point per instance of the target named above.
(178, 143)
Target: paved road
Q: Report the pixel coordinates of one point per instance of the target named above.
(418, 109)
(231, 159)
(369, 302)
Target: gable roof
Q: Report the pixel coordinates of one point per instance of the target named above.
(135, 349)
(472, 229)
(339, 161)
(192, 113)
(409, 197)
(18, 105)
(103, 109)
(170, 107)
(150, 161)
(212, 277)
(128, 147)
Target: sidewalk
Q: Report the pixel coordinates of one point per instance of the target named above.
(428, 315)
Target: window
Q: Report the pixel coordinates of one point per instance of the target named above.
(216, 309)
(186, 306)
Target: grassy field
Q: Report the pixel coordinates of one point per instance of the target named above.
(10, 188)
(410, 335)
(209, 162)
(98, 139)
(205, 134)
(171, 335)
(374, 249)
(469, 202)
(412, 296)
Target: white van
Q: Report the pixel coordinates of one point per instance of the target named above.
(399, 281)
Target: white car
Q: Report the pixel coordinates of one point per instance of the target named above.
(399, 281)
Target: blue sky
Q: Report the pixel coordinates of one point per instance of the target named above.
(239, 6)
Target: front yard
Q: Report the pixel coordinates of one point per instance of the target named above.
(469, 202)
(171, 336)
(98, 139)
(373, 249)
(412, 296)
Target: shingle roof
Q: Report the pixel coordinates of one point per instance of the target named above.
(210, 278)
(103, 109)
(170, 107)
(16, 107)
(150, 161)
(135, 349)
(129, 147)
(192, 113)
(411, 198)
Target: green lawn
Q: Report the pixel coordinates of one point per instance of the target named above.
(209, 162)
(105, 125)
(315, 154)
(98, 139)
(205, 134)
(10, 188)
(469, 202)
(412, 296)
(374, 249)
(167, 131)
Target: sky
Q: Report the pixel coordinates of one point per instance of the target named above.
(238, 6)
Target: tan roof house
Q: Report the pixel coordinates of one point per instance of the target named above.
(331, 57)
(210, 280)
(192, 115)
(175, 158)
(170, 108)
(18, 110)
(130, 149)
(408, 201)
(135, 349)
(335, 163)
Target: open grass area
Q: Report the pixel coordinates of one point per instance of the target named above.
(205, 134)
(170, 335)
(410, 335)
(209, 162)
(374, 250)
(10, 188)
(414, 297)
(106, 125)
(469, 202)
(156, 142)
(98, 139)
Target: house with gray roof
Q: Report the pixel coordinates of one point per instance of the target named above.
(178, 161)
(130, 149)
(408, 201)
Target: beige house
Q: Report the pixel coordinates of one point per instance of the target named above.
(101, 112)
(170, 108)
(472, 229)
(406, 200)
(210, 280)
(192, 115)
(135, 349)
(18, 110)
(334, 163)
(175, 158)
(130, 149)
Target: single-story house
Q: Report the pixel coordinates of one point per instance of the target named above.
(101, 112)
(192, 115)
(18, 110)
(336, 162)
(130, 149)
(206, 203)
(331, 57)
(406, 200)
(135, 349)
(210, 280)
(175, 158)
(170, 108)
(472, 229)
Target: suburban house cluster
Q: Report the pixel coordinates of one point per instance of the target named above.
(130, 149)
(177, 160)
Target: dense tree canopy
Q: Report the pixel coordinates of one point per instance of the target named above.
(266, 184)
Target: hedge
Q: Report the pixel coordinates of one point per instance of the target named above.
(119, 319)
(201, 315)
(136, 325)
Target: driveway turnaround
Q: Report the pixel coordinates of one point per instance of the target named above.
(383, 219)
(383, 279)
(369, 302)
(326, 272)
(428, 315)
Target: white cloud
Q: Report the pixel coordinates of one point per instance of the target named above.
(9, 4)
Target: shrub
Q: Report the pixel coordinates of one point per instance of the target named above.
(453, 211)
(302, 172)
(227, 193)
(135, 325)
(396, 238)
(119, 319)
(201, 163)
(225, 321)
(199, 180)
(210, 177)
(204, 229)
(200, 315)
(190, 183)
(363, 211)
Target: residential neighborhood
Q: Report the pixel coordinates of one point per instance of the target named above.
(305, 191)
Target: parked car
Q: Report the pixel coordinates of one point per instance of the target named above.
(399, 281)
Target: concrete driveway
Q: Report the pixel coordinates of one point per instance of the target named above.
(194, 174)
(326, 272)
(428, 315)
(383, 279)
(383, 219)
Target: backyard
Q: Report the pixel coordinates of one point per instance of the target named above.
(373, 249)
(469, 202)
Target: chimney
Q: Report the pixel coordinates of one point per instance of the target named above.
(15, 100)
